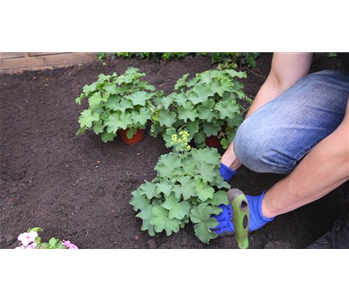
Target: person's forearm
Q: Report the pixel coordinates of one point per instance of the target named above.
(267, 92)
(286, 69)
(325, 168)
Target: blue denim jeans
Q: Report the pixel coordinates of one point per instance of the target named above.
(279, 134)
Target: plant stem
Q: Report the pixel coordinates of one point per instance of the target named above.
(256, 74)
(245, 110)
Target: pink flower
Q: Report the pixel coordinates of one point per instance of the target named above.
(31, 246)
(19, 248)
(69, 245)
(27, 237)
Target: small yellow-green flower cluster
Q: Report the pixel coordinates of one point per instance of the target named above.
(181, 141)
(174, 138)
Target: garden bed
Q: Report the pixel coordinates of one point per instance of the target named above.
(79, 188)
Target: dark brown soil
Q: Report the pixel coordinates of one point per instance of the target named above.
(78, 188)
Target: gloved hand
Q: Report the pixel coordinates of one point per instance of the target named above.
(257, 219)
(226, 172)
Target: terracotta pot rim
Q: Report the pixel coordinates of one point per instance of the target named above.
(137, 137)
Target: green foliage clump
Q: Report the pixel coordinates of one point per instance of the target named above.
(205, 106)
(117, 102)
(101, 56)
(187, 188)
(138, 55)
(241, 58)
(155, 55)
(234, 58)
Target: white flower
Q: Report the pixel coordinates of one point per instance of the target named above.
(27, 237)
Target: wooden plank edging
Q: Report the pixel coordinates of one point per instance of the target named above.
(15, 65)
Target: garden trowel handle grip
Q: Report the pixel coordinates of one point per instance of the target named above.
(241, 216)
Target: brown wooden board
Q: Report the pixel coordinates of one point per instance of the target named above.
(45, 61)
(7, 55)
(45, 53)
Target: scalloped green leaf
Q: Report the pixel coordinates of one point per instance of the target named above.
(142, 116)
(185, 188)
(139, 201)
(181, 82)
(177, 209)
(166, 164)
(203, 191)
(164, 186)
(95, 99)
(146, 215)
(87, 117)
(227, 109)
(201, 217)
(140, 97)
(113, 123)
(161, 221)
(187, 111)
(166, 119)
(108, 136)
(200, 93)
(149, 190)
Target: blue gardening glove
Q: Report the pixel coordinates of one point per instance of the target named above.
(257, 220)
(226, 172)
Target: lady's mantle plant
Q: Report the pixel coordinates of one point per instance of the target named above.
(186, 189)
(207, 105)
(31, 240)
(117, 102)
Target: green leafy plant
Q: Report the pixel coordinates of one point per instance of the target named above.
(225, 59)
(187, 188)
(155, 55)
(230, 60)
(138, 55)
(249, 58)
(101, 56)
(324, 55)
(117, 102)
(175, 55)
(207, 105)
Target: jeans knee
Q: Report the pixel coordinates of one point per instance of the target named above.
(259, 149)
(280, 133)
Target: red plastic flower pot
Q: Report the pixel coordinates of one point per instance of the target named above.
(137, 137)
(213, 141)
